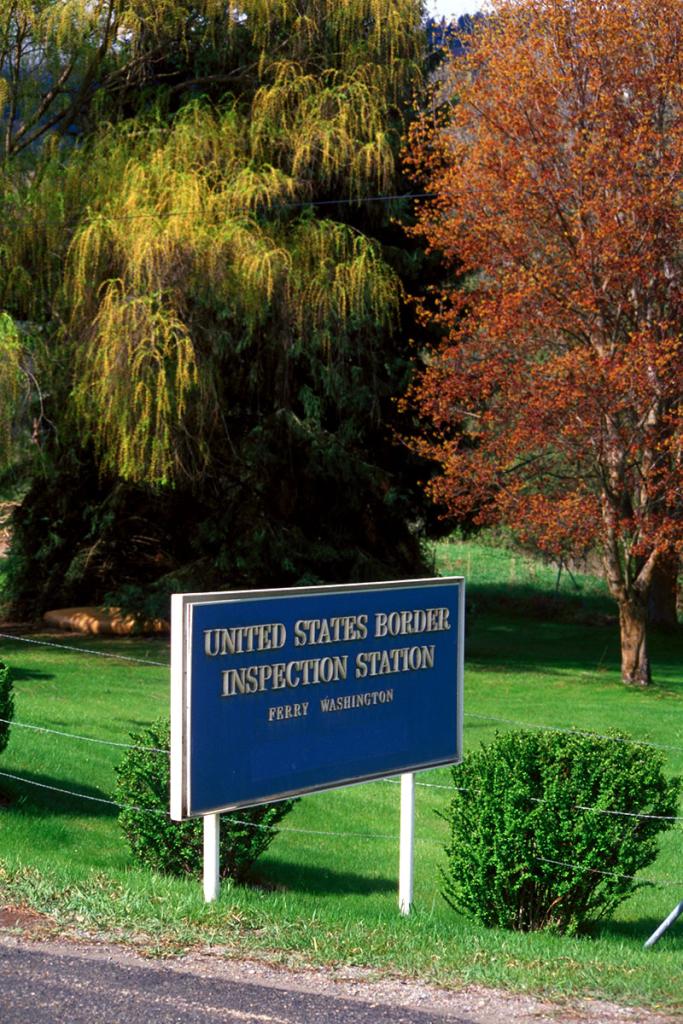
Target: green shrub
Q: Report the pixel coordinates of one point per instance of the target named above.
(527, 843)
(143, 782)
(6, 704)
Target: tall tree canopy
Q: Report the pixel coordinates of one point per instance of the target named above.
(555, 404)
(191, 278)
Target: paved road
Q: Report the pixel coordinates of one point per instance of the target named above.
(41, 986)
(69, 982)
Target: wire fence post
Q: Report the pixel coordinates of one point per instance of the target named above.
(212, 842)
(657, 934)
(406, 844)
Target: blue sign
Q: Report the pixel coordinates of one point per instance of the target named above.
(278, 693)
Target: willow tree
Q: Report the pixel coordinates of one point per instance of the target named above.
(64, 64)
(225, 315)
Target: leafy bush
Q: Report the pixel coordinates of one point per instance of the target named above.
(6, 704)
(143, 785)
(528, 845)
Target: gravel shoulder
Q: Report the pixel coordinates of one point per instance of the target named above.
(355, 990)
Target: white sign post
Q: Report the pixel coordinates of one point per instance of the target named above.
(212, 832)
(405, 869)
(212, 864)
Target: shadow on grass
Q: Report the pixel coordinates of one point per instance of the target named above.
(40, 795)
(302, 878)
(501, 644)
(641, 929)
(528, 602)
(19, 674)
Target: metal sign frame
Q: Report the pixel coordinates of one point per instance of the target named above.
(182, 646)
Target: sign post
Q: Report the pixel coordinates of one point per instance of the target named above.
(405, 869)
(279, 693)
(212, 866)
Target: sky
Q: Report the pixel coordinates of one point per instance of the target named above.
(453, 7)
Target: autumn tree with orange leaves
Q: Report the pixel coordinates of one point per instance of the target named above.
(554, 404)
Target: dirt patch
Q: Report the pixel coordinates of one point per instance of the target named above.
(22, 918)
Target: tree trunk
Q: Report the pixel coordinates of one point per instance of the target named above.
(661, 605)
(635, 662)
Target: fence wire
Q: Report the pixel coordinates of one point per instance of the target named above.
(84, 739)
(316, 832)
(424, 785)
(468, 714)
(571, 729)
(663, 882)
(84, 650)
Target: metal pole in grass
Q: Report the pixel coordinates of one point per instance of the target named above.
(405, 868)
(212, 837)
(657, 934)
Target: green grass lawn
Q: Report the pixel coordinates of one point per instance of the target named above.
(329, 892)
